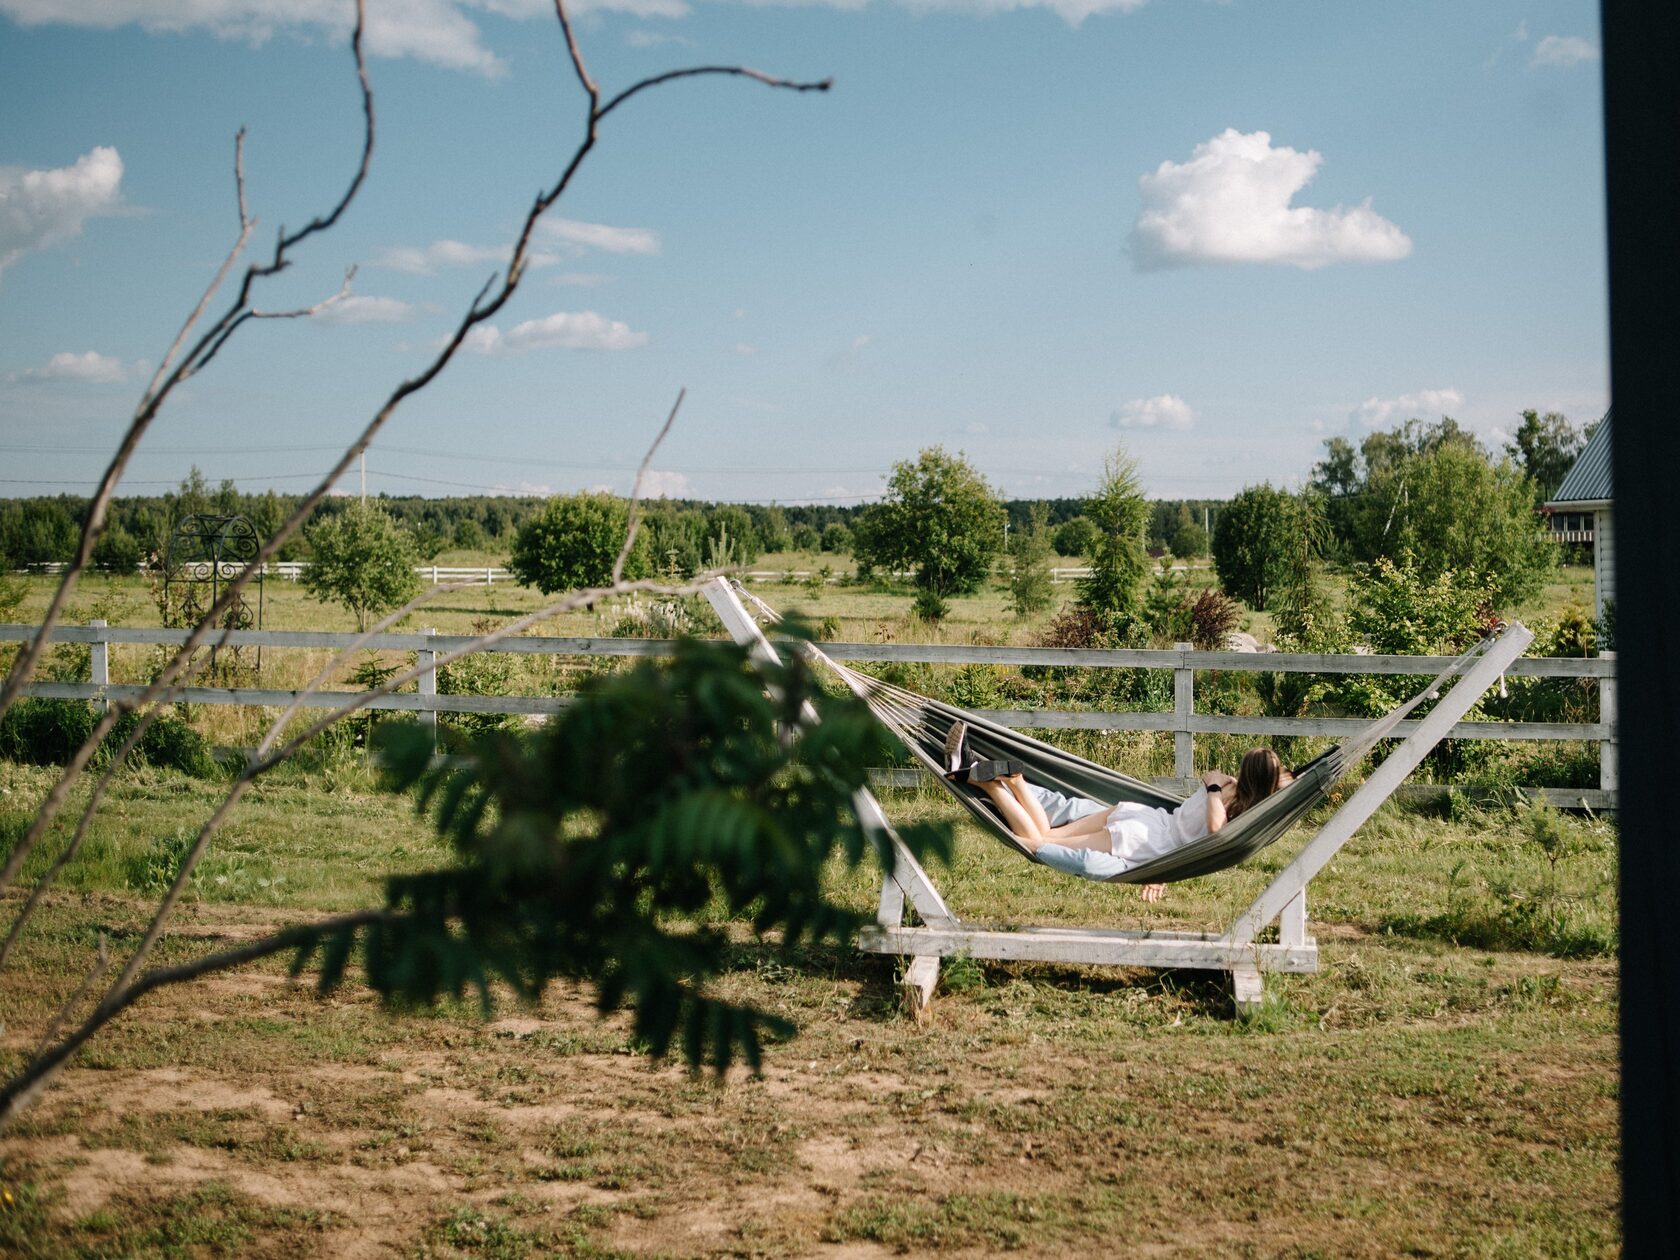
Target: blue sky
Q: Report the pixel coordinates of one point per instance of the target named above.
(1214, 233)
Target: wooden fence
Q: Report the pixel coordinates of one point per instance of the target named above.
(1183, 721)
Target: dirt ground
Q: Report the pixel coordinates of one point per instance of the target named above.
(1471, 1110)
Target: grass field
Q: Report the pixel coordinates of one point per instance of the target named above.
(1445, 1085)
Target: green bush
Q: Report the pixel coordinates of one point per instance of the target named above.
(44, 732)
(48, 733)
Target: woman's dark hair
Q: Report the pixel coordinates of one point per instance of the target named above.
(1257, 778)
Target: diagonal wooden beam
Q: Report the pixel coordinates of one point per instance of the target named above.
(907, 873)
(1381, 785)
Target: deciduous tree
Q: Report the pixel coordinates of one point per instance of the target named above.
(939, 518)
(362, 559)
(1545, 447)
(1252, 543)
(573, 543)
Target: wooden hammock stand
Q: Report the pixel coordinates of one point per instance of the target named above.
(1238, 950)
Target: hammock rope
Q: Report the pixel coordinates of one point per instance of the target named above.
(921, 723)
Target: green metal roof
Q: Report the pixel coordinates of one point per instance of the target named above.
(1589, 478)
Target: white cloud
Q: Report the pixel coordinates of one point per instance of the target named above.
(523, 9)
(1164, 411)
(660, 484)
(1073, 12)
(89, 366)
(745, 348)
(357, 309)
(429, 30)
(526, 489)
(1563, 51)
(423, 262)
(563, 330)
(653, 39)
(612, 240)
(1383, 413)
(1230, 203)
(39, 209)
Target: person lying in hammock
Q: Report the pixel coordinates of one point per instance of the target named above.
(1101, 841)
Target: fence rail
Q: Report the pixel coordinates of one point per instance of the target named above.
(1183, 721)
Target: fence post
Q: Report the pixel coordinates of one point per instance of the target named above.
(1184, 703)
(426, 684)
(99, 661)
(1608, 772)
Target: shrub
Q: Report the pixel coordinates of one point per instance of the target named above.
(1214, 617)
(48, 733)
(836, 538)
(44, 732)
(1030, 588)
(573, 543)
(1077, 537)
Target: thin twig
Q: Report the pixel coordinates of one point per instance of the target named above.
(633, 519)
(743, 72)
(489, 302)
(344, 654)
(23, 666)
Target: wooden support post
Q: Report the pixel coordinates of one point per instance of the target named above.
(921, 977)
(1292, 922)
(1247, 988)
(1184, 704)
(1609, 773)
(426, 685)
(99, 662)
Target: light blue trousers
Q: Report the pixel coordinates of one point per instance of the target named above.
(1085, 863)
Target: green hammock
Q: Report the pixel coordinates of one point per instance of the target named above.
(921, 723)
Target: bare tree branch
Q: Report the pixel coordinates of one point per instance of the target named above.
(152, 400)
(633, 520)
(743, 72)
(150, 404)
(343, 654)
(489, 301)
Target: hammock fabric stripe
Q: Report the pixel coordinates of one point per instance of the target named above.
(921, 723)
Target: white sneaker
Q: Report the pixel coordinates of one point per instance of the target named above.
(954, 751)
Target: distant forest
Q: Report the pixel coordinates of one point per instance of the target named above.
(46, 529)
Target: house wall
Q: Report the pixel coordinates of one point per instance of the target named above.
(1604, 560)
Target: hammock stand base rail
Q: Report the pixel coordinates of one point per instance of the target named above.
(909, 890)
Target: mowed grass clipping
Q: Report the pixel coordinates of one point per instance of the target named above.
(1418, 1095)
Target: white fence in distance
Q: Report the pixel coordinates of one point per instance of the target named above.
(1184, 662)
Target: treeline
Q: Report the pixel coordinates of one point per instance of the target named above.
(684, 533)
(46, 529)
